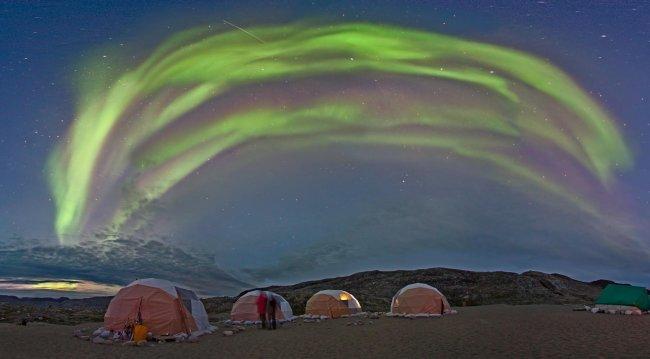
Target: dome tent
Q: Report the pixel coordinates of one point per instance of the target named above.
(165, 309)
(332, 303)
(419, 299)
(623, 297)
(245, 308)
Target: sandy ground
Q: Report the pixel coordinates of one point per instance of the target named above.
(487, 331)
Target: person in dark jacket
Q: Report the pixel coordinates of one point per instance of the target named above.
(270, 311)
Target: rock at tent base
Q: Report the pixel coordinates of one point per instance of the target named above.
(179, 338)
(594, 310)
(228, 333)
(129, 343)
(628, 312)
(193, 339)
(100, 340)
(141, 343)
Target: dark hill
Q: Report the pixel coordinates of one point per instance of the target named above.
(374, 289)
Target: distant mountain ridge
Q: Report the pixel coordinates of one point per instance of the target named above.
(65, 302)
(375, 289)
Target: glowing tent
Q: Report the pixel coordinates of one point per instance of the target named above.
(419, 298)
(162, 307)
(245, 308)
(332, 303)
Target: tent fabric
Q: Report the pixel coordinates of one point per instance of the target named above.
(245, 308)
(618, 294)
(333, 304)
(161, 306)
(165, 285)
(419, 298)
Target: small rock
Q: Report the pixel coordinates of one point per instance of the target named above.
(100, 340)
(228, 333)
(193, 339)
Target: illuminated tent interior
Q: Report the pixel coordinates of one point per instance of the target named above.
(332, 304)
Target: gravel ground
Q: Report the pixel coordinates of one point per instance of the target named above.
(485, 331)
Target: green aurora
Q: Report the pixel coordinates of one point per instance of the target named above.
(121, 135)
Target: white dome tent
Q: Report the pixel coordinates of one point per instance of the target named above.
(245, 308)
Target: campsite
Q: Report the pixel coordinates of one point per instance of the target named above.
(418, 320)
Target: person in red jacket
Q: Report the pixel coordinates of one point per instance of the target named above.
(261, 308)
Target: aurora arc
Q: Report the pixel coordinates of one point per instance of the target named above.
(121, 132)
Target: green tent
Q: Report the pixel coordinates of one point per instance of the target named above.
(618, 294)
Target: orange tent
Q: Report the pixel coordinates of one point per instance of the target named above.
(420, 298)
(245, 308)
(332, 303)
(159, 305)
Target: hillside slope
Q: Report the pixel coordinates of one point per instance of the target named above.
(374, 289)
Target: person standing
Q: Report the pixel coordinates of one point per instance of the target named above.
(270, 311)
(262, 302)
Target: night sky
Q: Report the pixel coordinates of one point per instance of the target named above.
(321, 139)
